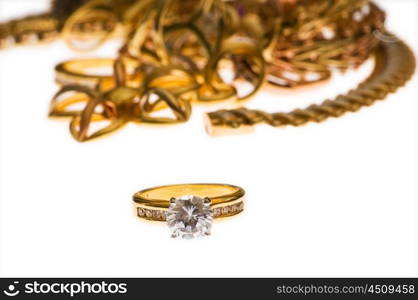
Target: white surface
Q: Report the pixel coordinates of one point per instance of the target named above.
(335, 199)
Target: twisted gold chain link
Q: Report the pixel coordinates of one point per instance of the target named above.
(394, 65)
(29, 30)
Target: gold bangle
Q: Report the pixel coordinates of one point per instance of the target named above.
(189, 209)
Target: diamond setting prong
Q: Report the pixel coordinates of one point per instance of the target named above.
(207, 200)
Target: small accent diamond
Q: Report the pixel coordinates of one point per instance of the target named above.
(141, 212)
(148, 213)
(225, 210)
(234, 208)
(158, 215)
(241, 206)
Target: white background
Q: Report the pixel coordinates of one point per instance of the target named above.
(334, 199)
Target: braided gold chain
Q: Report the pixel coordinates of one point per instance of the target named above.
(29, 30)
(394, 65)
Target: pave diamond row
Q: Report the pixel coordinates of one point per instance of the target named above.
(159, 215)
(229, 210)
(151, 214)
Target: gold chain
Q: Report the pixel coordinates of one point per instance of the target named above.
(29, 30)
(175, 53)
(394, 66)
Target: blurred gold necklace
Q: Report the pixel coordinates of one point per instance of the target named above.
(177, 53)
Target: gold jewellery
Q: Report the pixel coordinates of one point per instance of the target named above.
(179, 53)
(189, 209)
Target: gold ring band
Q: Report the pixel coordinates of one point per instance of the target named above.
(189, 208)
(79, 71)
(92, 71)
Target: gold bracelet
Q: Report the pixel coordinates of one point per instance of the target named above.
(189, 209)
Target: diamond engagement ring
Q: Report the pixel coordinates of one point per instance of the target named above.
(189, 209)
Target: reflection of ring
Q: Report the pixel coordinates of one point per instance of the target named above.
(189, 209)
